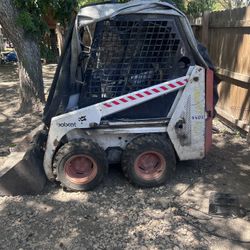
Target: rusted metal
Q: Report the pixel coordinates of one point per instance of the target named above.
(209, 109)
(150, 165)
(80, 169)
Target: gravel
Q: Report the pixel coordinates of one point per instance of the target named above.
(117, 215)
(114, 216)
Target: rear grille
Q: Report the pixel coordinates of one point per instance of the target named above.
(130, 55)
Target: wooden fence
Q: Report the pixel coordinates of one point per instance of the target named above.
(226, 34)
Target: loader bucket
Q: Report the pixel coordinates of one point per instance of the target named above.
(22, 173)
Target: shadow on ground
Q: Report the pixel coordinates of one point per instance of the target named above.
(119, 216)
(15, 125)
(8, 73)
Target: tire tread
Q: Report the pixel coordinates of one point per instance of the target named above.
(137, 145)
(73, 146)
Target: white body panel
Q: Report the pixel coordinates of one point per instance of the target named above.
(86, 120)
(189, 141)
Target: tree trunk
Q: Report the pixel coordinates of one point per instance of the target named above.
(60, 37)
(28, 52)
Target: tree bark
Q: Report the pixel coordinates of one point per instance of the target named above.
(28, 52)
(60, 37)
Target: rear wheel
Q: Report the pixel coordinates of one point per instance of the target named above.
(148, 160)
(80, 165)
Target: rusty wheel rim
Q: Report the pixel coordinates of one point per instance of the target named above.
(80, 169)
(150, 165)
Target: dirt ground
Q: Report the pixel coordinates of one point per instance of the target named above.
(14, 125)
(117, 215)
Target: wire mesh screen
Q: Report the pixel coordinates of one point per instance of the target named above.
(128, 55)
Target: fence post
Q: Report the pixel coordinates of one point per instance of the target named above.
(205, 27)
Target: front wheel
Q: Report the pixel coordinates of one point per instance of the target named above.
(80, 165)
(148, 160)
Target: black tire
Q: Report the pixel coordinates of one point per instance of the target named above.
(149, 146)
(89, 154)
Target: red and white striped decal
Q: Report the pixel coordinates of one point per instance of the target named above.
(154, 90)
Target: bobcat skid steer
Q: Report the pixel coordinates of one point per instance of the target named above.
(131, 87)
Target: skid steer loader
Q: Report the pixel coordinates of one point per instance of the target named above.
(131, 87)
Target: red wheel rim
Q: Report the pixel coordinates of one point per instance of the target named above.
(150, 165)
(80, 169)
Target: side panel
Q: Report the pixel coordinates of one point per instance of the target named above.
(187, 126)
(209, 109)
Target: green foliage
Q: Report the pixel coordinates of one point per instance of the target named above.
(62, 9)
(47, 53)
(86, 2)
(26, 20)
(195, 8)
(32, 13)
(179, 3)
(30, 16)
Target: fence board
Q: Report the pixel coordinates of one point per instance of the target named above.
(229, 48)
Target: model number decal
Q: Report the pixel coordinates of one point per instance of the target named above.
(67, 124)
(198, 117)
